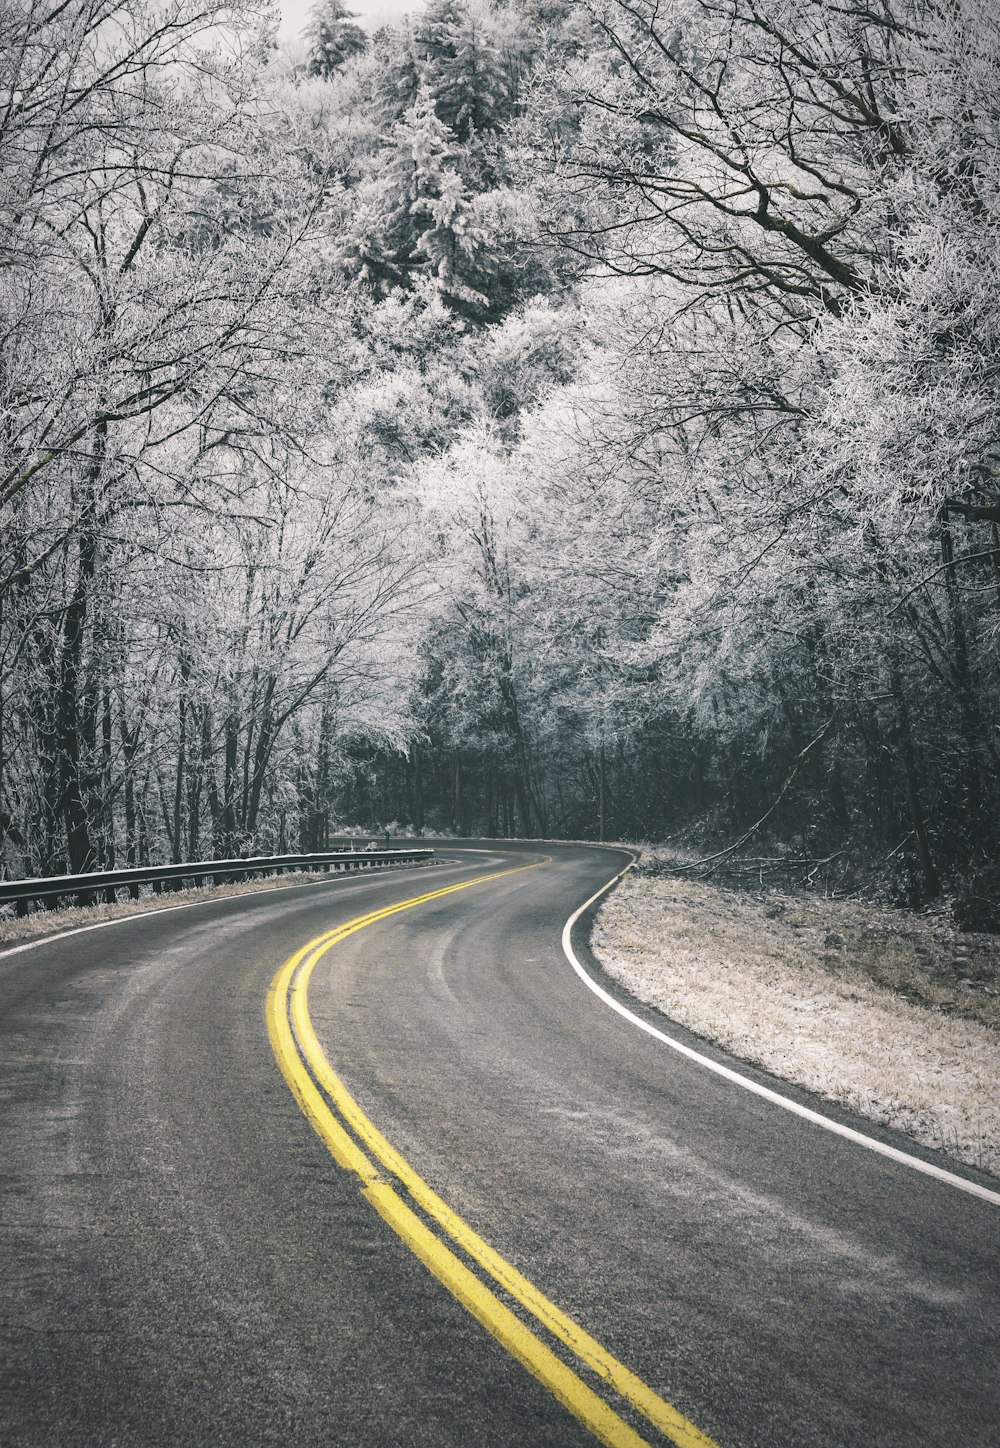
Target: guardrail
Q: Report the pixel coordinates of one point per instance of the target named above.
(104, 884)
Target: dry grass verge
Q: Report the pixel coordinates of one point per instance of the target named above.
(890, 1013)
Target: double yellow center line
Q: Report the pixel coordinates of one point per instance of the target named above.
(405, 1201)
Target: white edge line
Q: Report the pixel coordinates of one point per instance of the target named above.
(848, 1132)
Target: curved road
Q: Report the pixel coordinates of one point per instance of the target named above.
(184, 1262)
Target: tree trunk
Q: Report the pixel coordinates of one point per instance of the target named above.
(227, 820)
(977, 793)
(182, 713)
(67, 713)
(108, 844)
(932, 883)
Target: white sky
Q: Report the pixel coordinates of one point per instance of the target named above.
(371, 13)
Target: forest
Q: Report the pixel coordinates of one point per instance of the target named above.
(554, 418)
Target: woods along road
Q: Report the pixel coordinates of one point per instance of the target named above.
(303, 1167)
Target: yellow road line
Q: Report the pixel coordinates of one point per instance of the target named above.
(286, 1000)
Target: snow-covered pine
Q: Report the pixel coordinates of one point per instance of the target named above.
(463, 66)
(332, 37)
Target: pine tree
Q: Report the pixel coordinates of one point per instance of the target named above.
(397, 80)
(332, 37)
(393, 209)
(462, 67)
(452, 241)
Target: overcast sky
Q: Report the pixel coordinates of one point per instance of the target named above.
(371, 13)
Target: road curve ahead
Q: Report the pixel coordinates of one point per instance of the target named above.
(193, 1255)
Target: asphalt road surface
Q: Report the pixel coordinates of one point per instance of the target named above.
(185, 1263)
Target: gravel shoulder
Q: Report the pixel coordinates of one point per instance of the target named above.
(893, 1014)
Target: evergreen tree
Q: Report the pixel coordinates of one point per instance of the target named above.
(332, 37)
(452, 241)
(397, 81)
(395, 206)
(462, 67)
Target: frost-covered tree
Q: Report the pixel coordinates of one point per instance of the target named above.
(480, 704)
(577, 418)
(417, 216)
(451, 240)
(462, 65)
(332, 38)
(169, 331)
(396, 80)
(805, 371)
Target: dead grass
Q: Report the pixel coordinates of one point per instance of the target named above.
(894, 1014)
(925, 959)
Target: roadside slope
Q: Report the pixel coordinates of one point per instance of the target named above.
(771, 982)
